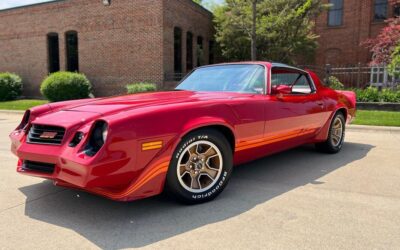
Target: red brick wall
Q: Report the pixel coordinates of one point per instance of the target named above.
(128, 41)
(189, 17)
(341, 45)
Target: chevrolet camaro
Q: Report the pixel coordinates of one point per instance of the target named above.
(185, 141)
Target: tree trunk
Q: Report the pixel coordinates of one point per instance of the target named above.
(253, 32)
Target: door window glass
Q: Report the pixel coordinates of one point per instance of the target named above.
(298, 82)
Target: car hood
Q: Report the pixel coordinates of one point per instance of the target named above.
(112, 105)
(84, 111)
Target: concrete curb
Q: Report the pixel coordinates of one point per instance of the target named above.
(12, 112)
(382, 106)
(363, 128)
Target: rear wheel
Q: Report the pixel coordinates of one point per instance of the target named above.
(335, 139)
(200, 168)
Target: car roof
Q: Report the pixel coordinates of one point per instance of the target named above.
(282, 65)
(271, 64)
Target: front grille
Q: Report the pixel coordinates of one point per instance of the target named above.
(38, 167)
(43, 134)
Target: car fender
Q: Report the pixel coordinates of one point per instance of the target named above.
(202, 122)
(324, 132)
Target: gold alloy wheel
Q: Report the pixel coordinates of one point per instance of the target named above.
(199, 166)
(337, 132)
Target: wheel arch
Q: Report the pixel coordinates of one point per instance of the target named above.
(224, 129)
(344, 112)
(323, 134)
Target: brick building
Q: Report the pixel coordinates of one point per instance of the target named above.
(112, 42)
(346, 25)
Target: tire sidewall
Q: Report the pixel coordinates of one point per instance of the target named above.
(340, 145)
(173, 184)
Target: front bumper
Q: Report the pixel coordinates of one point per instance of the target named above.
(71, 166)
(111, 173)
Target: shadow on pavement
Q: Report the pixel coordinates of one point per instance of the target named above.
(115, 225)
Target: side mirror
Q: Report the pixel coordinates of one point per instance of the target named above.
(281, 89)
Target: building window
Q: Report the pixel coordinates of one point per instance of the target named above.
(53, 52)
(211, 53)
(177, 50)
(396, 10)
(200, 51)
(72, 52)
(335, 13)
(189, 51)
(380, 10)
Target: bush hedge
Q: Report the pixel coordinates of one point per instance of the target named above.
(10, 86)
(141, 87)
(62, 86)
(372, 94)
(334, 83)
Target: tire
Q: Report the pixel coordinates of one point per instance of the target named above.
(200, 168)
(336, 135)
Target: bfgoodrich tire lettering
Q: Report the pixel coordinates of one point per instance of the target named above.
(200, 167)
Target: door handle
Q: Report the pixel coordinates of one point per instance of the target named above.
(321, 104)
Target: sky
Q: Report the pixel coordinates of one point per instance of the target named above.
(5, 4)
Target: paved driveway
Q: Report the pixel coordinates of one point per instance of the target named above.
(294, 200)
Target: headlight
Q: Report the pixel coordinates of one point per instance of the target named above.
(97, 138)
(76, 139)
(105, 132)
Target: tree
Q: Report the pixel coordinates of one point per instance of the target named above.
(394, 64)
(253, 30)
(384, 45)
(395, 60)
(277, 30)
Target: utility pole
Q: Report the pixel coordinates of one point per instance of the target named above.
(253, 31)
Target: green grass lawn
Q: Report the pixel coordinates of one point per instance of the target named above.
(21, 104)
(377, 118)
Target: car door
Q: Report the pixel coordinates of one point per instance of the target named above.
(294, 108)
(250, 109)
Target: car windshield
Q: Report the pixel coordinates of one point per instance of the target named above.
(243, 78)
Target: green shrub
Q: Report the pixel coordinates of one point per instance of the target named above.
(334, 83)
(372, 94)
(141, 87)
(10, 86)
(388, 95)
(61, 86)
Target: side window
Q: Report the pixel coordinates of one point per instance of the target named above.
(289, 81)
(283, 78)
(302, 86)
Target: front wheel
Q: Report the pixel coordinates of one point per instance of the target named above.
(335, 139)
(201, 167)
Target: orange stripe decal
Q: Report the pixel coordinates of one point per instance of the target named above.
(261, 142)
(152, 172)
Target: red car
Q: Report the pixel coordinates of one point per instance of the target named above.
(185, 141)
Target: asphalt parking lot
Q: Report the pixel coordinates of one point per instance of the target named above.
(298, 199)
